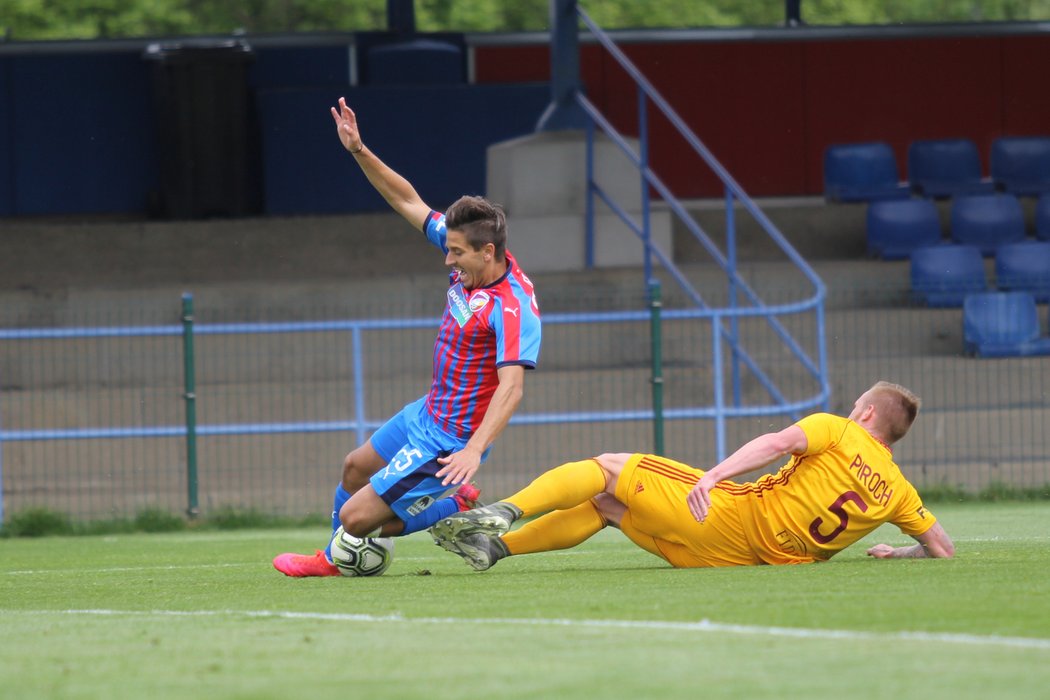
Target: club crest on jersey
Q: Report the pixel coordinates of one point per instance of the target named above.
(458, 305)
(478, 301)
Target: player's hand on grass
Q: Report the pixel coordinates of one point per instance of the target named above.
(346, 127)
(881, 551)
(459, 466)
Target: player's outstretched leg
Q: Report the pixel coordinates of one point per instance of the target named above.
(479, 550)
(492, 520)
(474, 534)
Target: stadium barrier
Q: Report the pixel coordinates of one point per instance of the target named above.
(93, 416)
(99, 420)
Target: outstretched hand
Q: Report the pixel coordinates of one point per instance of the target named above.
(459, 466)
(346, 127)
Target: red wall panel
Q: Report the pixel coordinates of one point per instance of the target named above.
(745, 105)
(768, 109)
(899, 91)
(511, 64)
(1026, 99)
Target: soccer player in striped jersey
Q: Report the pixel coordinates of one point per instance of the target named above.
(839, 484)
(489, 335)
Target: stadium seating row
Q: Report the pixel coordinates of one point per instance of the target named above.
(944, 275)
(1003, 324)
(867, 172)
(986, 220)
(897, 227)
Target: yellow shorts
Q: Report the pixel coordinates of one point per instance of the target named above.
(658, 519)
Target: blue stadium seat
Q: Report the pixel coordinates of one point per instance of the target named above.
(944, 275)
(1021, 164)
(1002, 324)
(1024, 267)
(1042, 218)
(987, 221)
(896, 227)
(862, 172)
(946, 168)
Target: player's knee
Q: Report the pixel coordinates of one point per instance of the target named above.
(355, 474)
(355, 524)
(612, 463)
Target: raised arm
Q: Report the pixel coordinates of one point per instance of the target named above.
(396, 190)
(932, 544)
(758, 453)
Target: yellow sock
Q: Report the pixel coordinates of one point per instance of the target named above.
(560, 488)
(558, 530)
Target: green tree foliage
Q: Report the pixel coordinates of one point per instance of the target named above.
(90, 19)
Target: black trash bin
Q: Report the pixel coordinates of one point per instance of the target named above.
(206, 138)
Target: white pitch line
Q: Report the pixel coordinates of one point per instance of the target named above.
(703, 626)
(160, 567)
(125, 569)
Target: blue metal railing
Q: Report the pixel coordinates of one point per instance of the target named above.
(817, 368)
(361, 424)
(724, 321)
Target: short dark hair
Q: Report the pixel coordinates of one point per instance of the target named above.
(480, 220)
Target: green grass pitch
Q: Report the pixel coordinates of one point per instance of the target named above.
(203, 615)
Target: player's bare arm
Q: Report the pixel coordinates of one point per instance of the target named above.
(396, 190)
(932, 544)
(757, 453)
(461, 466)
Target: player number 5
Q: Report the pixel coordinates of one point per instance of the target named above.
(837, 509)
(403, 459)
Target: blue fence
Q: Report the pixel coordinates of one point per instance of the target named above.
(95, 419)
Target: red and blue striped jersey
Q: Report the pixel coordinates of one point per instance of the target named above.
(481, 330)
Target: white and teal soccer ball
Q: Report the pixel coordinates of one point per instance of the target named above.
(357, 556)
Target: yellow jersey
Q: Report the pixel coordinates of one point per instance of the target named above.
(843, 487)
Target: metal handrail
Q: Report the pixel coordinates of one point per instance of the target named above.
(727, 262)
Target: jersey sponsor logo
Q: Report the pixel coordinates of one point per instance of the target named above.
(513, 312)
(478, 301)
(419, 506)
(458, 305)
(790, 543)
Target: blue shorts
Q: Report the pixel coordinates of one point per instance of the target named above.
(411, 443)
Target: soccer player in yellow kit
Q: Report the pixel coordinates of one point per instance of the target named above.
(840, 484)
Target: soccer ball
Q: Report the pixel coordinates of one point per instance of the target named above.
(356, 556)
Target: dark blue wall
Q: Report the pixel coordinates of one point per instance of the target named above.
(298, 66)
(79, 134)
(435, 136)
(81, 129)
(7, 194)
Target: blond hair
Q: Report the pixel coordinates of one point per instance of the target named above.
(896, 407)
